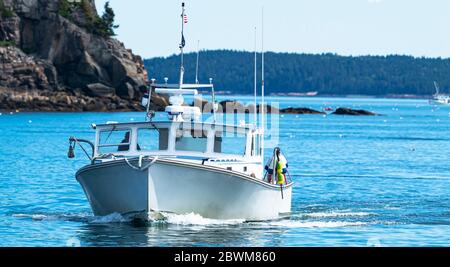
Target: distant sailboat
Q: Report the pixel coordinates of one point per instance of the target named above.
(438, 98)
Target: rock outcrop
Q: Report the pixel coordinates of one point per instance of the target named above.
(52, 47)
(20, 71)
(75, 101)
(302, 111)
(353, 112)
(233, 106)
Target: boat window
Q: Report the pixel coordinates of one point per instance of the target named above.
(230, 143)
(152, 139)
(191, 140)
(112, 141)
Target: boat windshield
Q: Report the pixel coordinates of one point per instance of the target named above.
(230, 143)
(189, 139)
(114, 140)
(167, 137)
(152, 139)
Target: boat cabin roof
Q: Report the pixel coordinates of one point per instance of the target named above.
(168, 123)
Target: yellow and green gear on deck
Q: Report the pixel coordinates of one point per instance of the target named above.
(281, 179)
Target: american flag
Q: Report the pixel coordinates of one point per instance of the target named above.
(185, 18)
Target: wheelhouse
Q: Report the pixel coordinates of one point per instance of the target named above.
(178, 139)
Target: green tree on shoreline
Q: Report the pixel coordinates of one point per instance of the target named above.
(103, 26)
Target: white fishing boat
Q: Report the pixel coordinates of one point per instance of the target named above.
(439, 98)
(183, 164)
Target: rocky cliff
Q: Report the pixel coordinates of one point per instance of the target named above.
(55, 55)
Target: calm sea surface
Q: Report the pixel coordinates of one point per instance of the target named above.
(359, 181)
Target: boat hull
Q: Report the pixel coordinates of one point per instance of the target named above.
(181, 188)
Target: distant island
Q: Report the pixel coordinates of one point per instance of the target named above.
(311, 75)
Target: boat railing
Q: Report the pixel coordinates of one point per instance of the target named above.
(73, 141)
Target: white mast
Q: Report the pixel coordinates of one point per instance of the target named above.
(182, 44)
(263, 123)
(196, 67)
(255, 83)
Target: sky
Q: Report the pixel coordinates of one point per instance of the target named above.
(151, 28)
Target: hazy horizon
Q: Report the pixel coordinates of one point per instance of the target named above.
(347, 28)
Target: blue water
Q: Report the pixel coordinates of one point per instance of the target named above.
(359, 181)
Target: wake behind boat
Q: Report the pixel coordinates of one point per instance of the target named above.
(184, 165)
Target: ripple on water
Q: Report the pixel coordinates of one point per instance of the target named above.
(386, 177)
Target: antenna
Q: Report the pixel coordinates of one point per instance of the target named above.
(263, 123)
(182, 44)
(255, 83)
(213, 99)
(196, 68)
(150, 113)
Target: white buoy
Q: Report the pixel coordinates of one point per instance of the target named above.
(30, 121)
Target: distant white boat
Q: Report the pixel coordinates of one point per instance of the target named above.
(183, 165)
(438, 98)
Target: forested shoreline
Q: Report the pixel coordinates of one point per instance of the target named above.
(326, 74)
